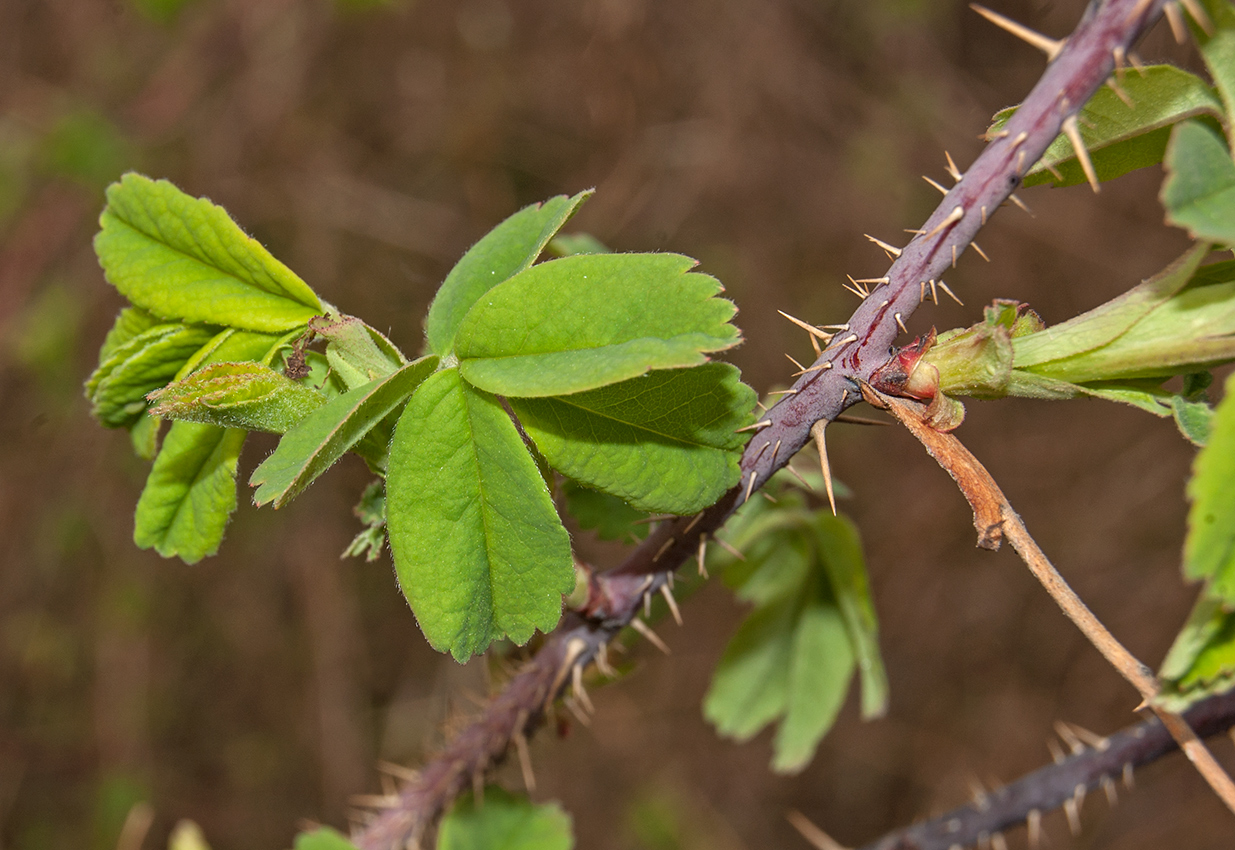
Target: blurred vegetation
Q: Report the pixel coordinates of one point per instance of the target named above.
(367, 143)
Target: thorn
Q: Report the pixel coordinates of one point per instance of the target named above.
(1198, 14)
(695, 519)
(1049, 46)
(647, 605)
(783, 392)
(1074, 817)
(814, 344)
(984, 215)
(980, 798)
(1057, 755)
(750, 487)
(374, 801)
(664, 547)
(1108, 788)
(862, 290)
(653, 638)
(1020, 163)
(672, 603)
(1120, 56)
(847, 340)
(583, 719)
(602, 661)
(884, 303)
(398, 771)
(1034, 824)
(389, 786)
(765, 494)
(580, 692)
(813, 834)
(775, 449)
(953, 217)
(900, 323)
(1064, 731)
(836, 327)
(798, 476)
(525, 760)
(703, 555)
(934, 292)
(730, 548)
(1128, 781)
(1055, 172)
(998, 842)
(915, 231)
(953, 171)
(796, 363)
(816, 431)
(761, 406)
(1175, 18)
(951, 294)
(859, 420)
(763, 423)
(1073, 132)
(921, 291)
(877, 281)
(1120, 93)
(892, 250)
(1020, 139)
(855, 290)
(819, 368)
(1092, 739)
(810, 329)
(936, 185)
(953, 256)
(1137, 64)
(1014, 199)
(669, 578)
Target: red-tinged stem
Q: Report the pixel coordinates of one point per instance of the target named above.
(822, 393)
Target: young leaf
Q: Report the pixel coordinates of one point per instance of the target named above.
(502, 822)
(238, 395)
(357, 352)
(371, 511)
(1209, 549)
(190, 492)
(666, 441)
(327, 433)
(478, 548)
(183, 258)
(507, 249)
(585, 321)
(1122, 137)
(118, 388)
(1199, 192)
(1201, 661)
(130, 322)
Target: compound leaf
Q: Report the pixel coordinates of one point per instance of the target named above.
(147, 361)
(130, 322)
(238, 395)
(503, 822)
(612, 518)
(329, 432)
(184, 258)
(479, 550)
(356, 352)
(588, 320)
(190, 492)
(507, 249)
(1209, 549)
(665, 441)
(1199, 192)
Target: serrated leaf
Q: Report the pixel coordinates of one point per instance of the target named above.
(144, 435)
(356, 352)
(502, 822)
(370, 510)
(325, 435)
(238, 395)
(507, 249)
(478, 548)
(750, 686)
(1195, 419)
(323, 838)
(1199, 192)
(118, 388)
(130, 322)
(1119, 137)
(582, 322)
(183, 258)
(1209, 549)
(190, 492)
(612, 518)
(840, 549)
(666, 441)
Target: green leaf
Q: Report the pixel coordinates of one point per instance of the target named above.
(478, 548)
(1201, 661)
(1119, 137)
(117, 389)
(370, 510)
(1209, 549)
(325, 435)
(356, 352)
(183, 258)
(190, 492)
(1219, 53)
(130, 322)
(1199, 192)
(238, 395)
(612, 518)
(840, 550)
(502, 822)
(583, 322)
(666, 441)
(323, 838)
(507, 249)
(750, 686)
(1195, 419)
(144, 435)
(569, 244)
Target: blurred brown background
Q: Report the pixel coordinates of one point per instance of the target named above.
(367, 144)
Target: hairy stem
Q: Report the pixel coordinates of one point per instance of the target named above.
(821, 393)
(995, 519)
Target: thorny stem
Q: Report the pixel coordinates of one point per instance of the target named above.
(821, 393)
(1048, 788)
(995, 519)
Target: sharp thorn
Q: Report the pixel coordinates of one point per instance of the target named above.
(984, 215)
(1128, 781)
(1136, 63)
(953, 256)
(890, 249)
(1112, 793)
(783, 392)
(669, 578)
(765, 494)
(1120, 56)
(953, 171)
(1175, 18)
(775, 449)
(815, 836)
(849, 339)
(580, 692)
(820, 367)
(795, 363)
(862, 290)
(1092, 739)
(1198, 14)
(810, 329)
(1049, 46)
(647, 605)
(672, 603)
(695, 519)
(730, 548)
(915, 231)
(652, 638)
(1055, 172)
(951, 294)
(836, 327)
(703, 555)
(1064, 731)
(849, 419)
(814, 344)
(1074, 817)
(1034, 824)
(602, 661)
(1021, 156)
(763, 423)
(398, 771)
(953, 217)
(935, 184)
(876, 281)
(750, 488)
(900, 323)
(1020, 139)
(525, 760)
(998, 842)
(921, 291)
(1073, 132)
(934, 292)
(664, 547)
(1014, 199)
(576, 711)
(854, 290)
(816, 431)
(798, 476)
(1057, 755)
(1120, 93)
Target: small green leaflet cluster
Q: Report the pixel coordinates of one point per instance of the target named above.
(594, 365)
(813, 624)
